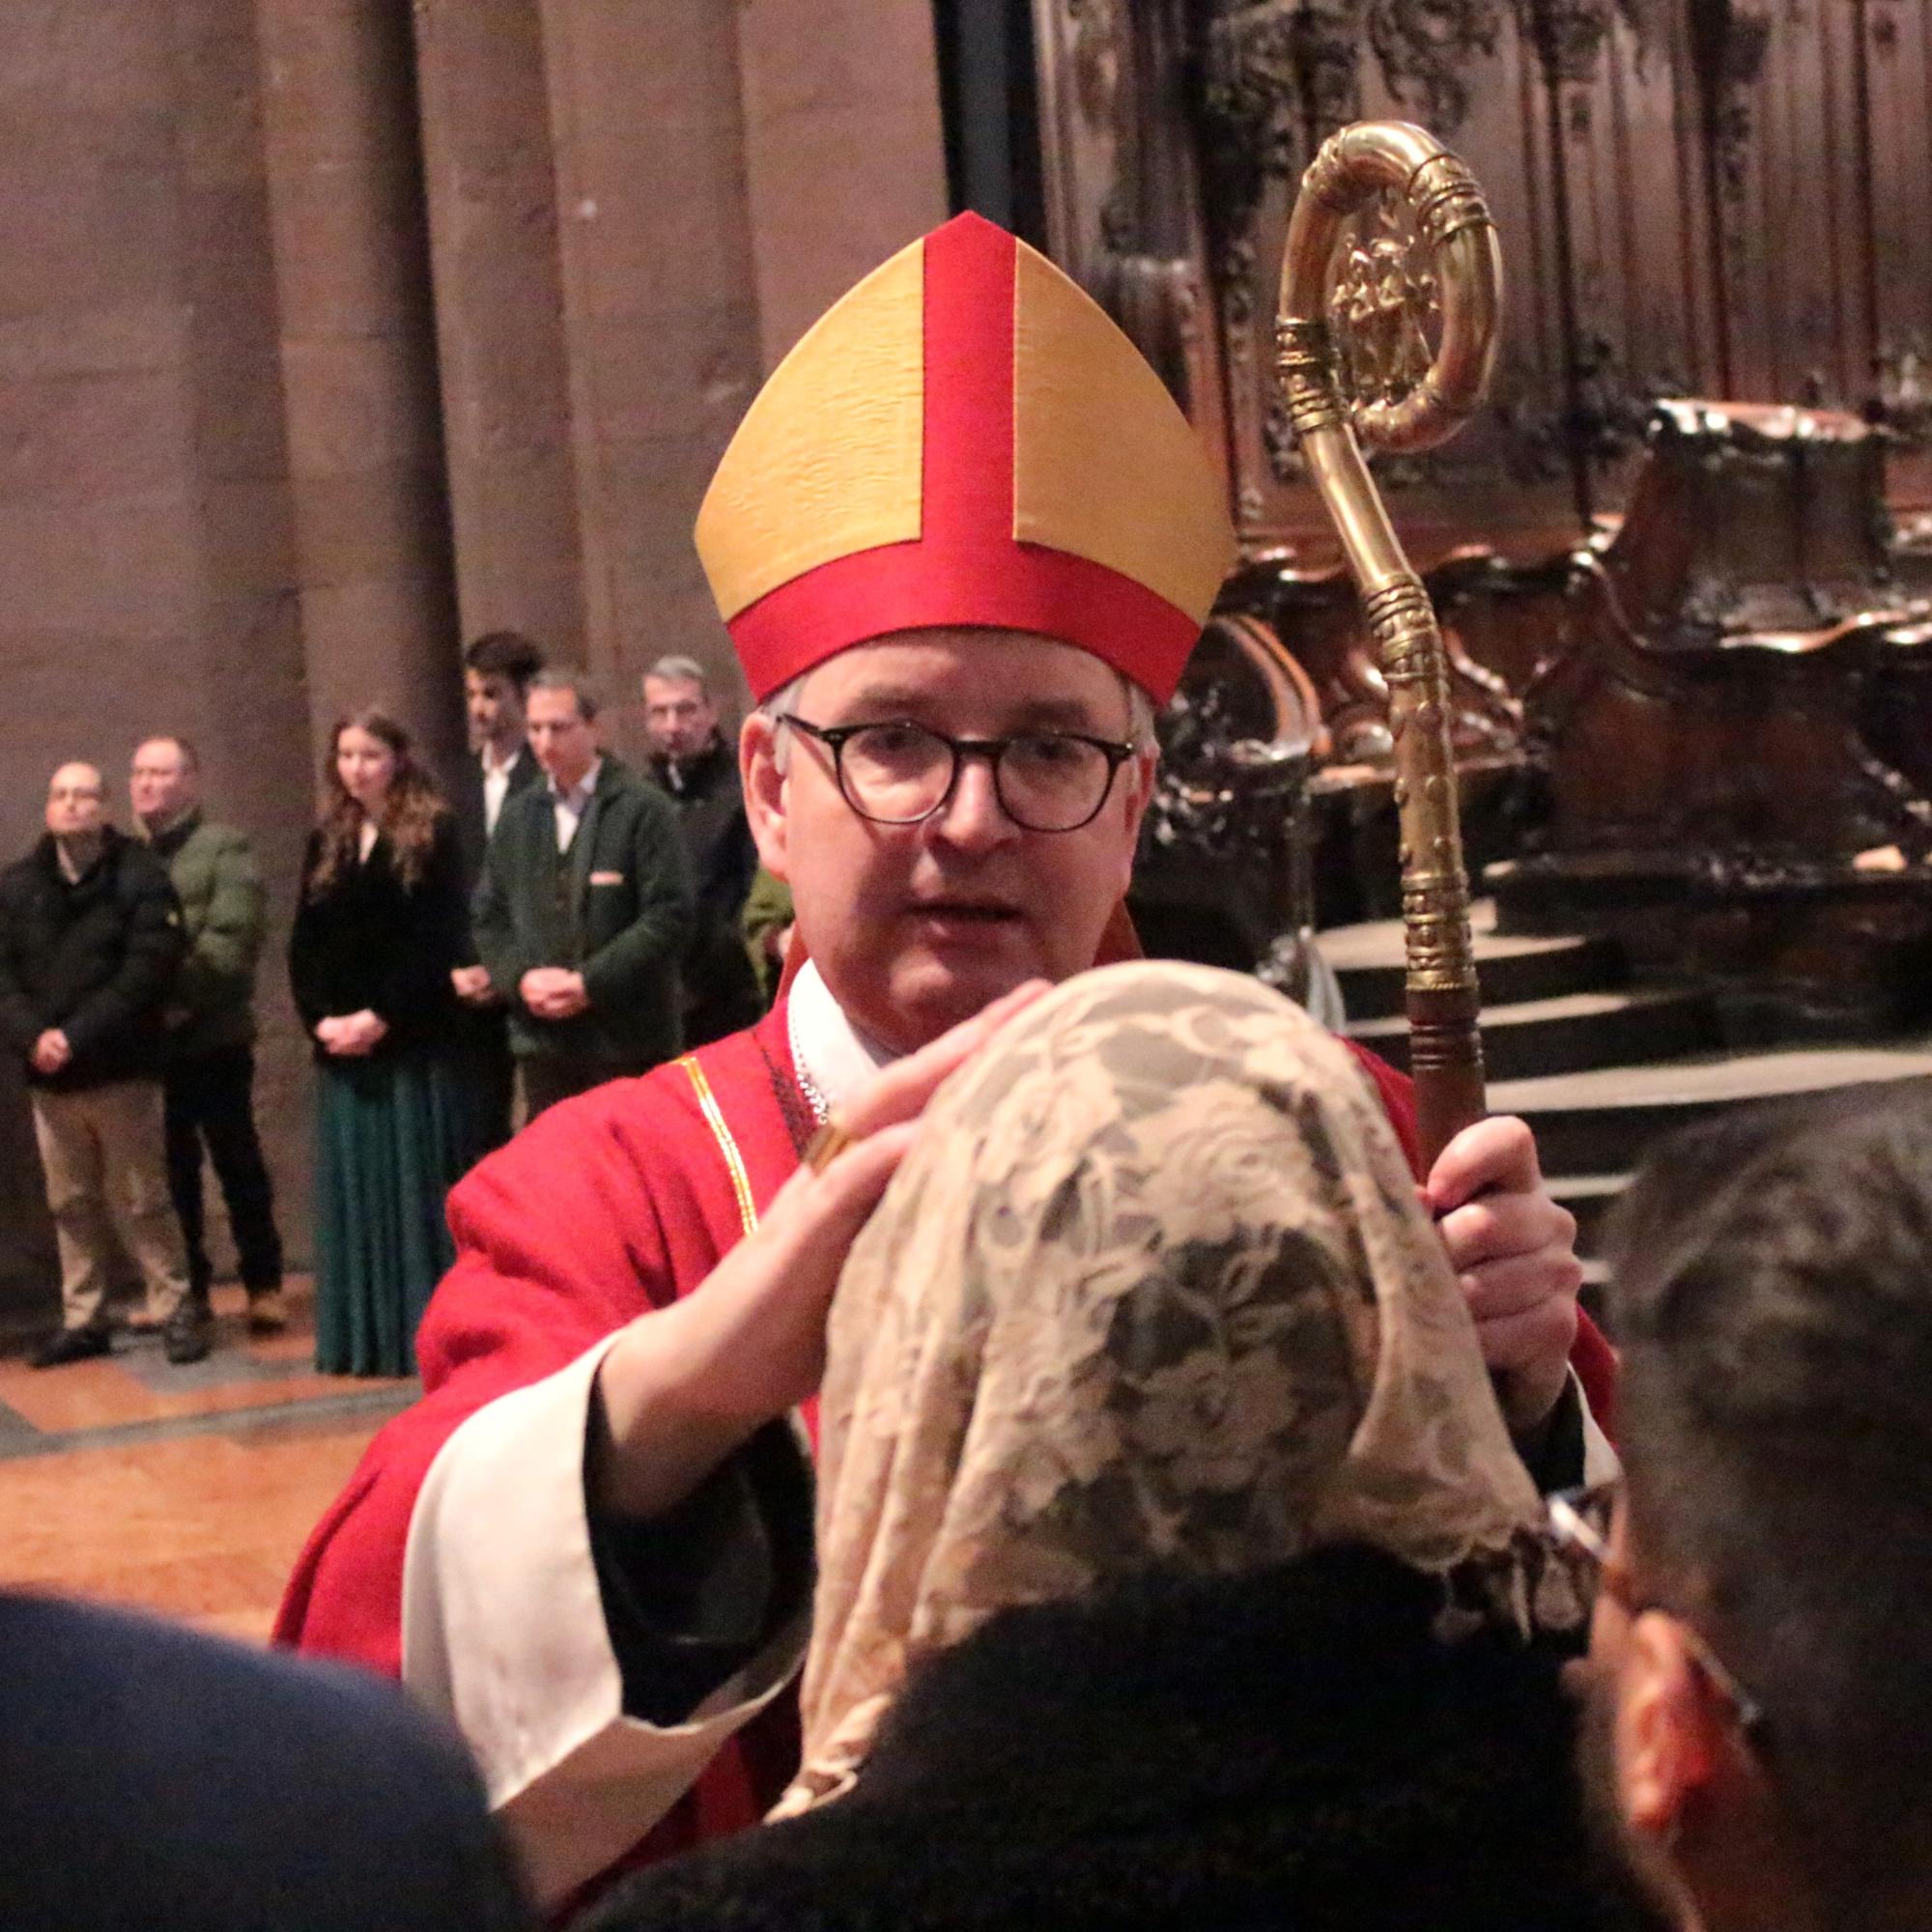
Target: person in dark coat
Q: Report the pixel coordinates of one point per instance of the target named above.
(497, 672)
(1175, 1566)
(154, 1781)
(1295, 1750)
(585, 908)
(209, 1057)
(698, 769)
(377, 931)
(90, 943)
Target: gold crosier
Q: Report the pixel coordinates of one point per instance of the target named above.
(1357, 318)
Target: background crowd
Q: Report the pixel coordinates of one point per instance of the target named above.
(461, 957)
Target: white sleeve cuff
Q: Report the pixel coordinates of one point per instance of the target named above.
(1600, 1461)
(504, 1633)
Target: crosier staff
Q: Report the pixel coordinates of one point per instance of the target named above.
(1374, 333)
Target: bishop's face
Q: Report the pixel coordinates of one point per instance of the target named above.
(918, 926)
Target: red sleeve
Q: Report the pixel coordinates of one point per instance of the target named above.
(561, 1238)
(1590, 1354)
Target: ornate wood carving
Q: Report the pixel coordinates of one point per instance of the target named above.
(1703, 710)
(1717, 197)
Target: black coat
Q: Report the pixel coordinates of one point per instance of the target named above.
(720, 987)
(1288, 1753)
(94, 957)
(465, 800)
(368, 941)
(151, 1779)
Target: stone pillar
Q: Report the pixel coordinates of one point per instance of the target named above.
(660, 310)
(146, 528)
(493, 221)
(359, 367)
(845, 151)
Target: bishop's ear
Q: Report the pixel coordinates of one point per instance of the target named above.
(764, 784)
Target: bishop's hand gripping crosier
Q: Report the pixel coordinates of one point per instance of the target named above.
(1351, 354)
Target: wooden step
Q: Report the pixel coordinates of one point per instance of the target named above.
(1589, 1197)
(1513, 967)
(1572, 1032)
(1601, 1122)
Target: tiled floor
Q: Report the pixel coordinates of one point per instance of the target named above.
(185, 1491)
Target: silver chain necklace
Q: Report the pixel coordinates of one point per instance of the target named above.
(814, 1095)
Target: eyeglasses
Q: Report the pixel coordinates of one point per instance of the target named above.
(1581, 1520)
(901, 773)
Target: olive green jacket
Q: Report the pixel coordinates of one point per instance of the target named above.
(211, 1003)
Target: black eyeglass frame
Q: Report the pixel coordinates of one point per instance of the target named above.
(836, 737)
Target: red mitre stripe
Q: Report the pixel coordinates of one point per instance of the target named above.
(965, 567)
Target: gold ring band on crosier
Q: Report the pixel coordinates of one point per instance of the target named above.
(826, 1146)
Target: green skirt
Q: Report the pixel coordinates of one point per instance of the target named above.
(392, 1135)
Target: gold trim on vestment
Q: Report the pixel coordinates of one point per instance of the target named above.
(728, 1146)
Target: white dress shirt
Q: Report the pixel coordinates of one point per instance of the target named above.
(571, 805)
(497, 784)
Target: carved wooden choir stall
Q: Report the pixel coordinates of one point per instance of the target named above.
(1689, 643)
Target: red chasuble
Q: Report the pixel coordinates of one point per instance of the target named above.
(601, 1209)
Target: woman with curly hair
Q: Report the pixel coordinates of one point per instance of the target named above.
(378, 929)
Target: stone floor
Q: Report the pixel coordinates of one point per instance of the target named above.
(186, 1490)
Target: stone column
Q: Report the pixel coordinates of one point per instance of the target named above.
(147, 539)
(493, 221)
(845, 151)
(660, 309)
(359, 367)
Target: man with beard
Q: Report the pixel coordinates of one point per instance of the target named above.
(1761, 1683)
(963, 541)
(497, 672)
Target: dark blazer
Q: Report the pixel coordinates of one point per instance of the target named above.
(721, 989)
(151, 1778)
(616, 907)
(1291, 1751)
(94, 957)
(370, 942)
(465, 800)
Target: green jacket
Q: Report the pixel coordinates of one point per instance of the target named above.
(618, 907)
(211, 1003)
(767, 909)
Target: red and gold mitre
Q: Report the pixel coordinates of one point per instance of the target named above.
(965, 439)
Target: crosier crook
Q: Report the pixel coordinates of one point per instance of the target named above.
(1353, 166)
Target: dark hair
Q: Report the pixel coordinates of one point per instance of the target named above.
(1773, 1301)
(580, 684)
(411, 810)
(504, 654)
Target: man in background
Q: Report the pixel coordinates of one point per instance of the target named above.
(497, 672)
(585, 907)
(691, 761)
(209, 1050)
(90, 940)
(1762, 1680)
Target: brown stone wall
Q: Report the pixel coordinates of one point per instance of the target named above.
(845, 155)
(358, 366)
(660, 305)
(145, 529)
(490, 189)
(325, 342)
